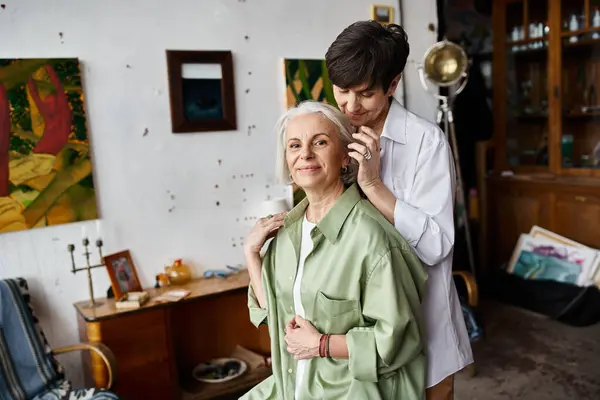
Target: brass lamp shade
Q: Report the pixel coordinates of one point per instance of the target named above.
(445, 63)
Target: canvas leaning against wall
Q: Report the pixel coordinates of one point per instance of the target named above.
(45, 168)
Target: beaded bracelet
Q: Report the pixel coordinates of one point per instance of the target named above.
(327, 347)
(322, 345)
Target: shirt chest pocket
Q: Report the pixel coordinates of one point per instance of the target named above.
(336, 317)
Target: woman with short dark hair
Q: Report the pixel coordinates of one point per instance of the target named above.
(406, 170)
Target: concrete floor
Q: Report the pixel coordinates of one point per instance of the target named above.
(527, 356)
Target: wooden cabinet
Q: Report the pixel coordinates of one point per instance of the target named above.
(157, 346)
(546, 68)
(577, 216)
(567, 206)
(142, 347)
(546, 143)
(515, 209)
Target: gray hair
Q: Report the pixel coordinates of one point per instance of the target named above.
(342, 123)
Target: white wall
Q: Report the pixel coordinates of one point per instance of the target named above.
(416, 18)
(135, 175)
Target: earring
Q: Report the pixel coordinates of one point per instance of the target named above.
(344, 170)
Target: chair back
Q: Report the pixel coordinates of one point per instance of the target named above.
(27, 366)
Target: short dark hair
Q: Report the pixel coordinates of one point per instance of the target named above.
(367, 52)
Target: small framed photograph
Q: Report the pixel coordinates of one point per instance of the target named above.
(123, 276)
(382, 14)
(201, 91)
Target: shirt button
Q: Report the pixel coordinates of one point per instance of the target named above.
(290, 371)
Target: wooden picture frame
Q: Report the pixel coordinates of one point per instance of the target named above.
(382, 14)
(201, 91)
(122, 273)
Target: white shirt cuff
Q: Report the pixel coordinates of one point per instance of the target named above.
(410, 222)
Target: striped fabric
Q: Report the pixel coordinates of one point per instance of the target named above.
(28, 370)
(27, 366)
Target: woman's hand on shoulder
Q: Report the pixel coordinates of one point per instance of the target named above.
(263, 230)
(366, 150)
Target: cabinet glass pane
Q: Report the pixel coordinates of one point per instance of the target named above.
(527, 84)
(580, 46)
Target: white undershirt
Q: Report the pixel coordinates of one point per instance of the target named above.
(306, 247)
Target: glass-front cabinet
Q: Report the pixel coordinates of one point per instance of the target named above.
(547, 85)
(579, 82)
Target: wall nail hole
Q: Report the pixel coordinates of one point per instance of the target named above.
(247, 90)
(60, 35)
(246, 37)
(128, 66)
(253, 126)
(233, 176)
(172, 197)
(145, 132)
(268, 197)
(237, 220)
(249, 72)
(233, 245)
(216, 186)
(267, 186)
(251, 175)
(3, 6)
(244, 189)
(220, 162)
(245, 200)
(218, 203)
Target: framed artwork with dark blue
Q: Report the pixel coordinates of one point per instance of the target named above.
(201, 90)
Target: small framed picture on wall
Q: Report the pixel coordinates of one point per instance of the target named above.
(121, 271)
(382, 14)
(201, 91)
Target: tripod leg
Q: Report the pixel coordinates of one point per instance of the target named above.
(461, 193)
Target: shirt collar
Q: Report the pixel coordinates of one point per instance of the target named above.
(332, 223)
(394, 127)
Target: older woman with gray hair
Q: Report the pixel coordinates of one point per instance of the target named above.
(338, 287)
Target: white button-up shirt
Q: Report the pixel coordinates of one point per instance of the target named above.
(417, 166)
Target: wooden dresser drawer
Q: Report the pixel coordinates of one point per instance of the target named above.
(151, 381)
(137, 340)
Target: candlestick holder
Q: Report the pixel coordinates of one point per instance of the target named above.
(88, 268)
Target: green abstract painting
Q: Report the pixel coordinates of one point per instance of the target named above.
(307, 80)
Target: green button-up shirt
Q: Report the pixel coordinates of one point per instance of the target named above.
(362, 280)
